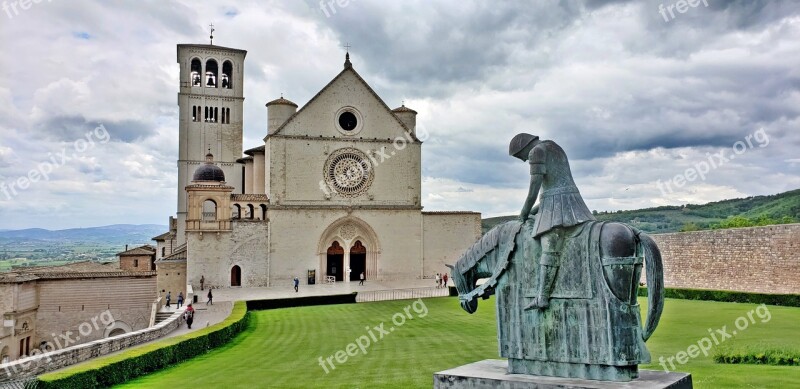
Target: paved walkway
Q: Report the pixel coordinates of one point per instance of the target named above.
(287, 290)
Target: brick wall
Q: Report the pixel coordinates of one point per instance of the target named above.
(757, 259)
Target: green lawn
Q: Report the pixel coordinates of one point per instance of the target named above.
(281, 347)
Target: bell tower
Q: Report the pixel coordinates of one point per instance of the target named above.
(210, 102)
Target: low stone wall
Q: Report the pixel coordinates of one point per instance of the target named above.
(58, 359)
(756, 259)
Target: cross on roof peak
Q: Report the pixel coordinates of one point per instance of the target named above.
(211, 26)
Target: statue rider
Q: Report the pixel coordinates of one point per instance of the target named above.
(560, 206)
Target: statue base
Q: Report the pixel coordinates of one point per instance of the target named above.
(493, 373)
(573, 370)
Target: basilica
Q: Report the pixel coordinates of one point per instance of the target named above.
(334, 191)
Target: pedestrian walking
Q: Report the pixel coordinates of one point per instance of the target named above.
(444, 278)
(296, 284)
(363, 277)
(189, 315)
(202, 281)
(438, 281)
(180, 299)
(210, 297)
(169, 297)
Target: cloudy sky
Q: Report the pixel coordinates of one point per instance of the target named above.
(636, 92)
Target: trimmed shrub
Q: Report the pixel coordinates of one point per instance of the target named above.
(771, 356)
(257, 305)
(788, 300)
(116, 369)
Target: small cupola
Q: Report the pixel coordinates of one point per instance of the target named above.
(278, 112)
(408, 116)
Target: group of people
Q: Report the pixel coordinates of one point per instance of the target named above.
(441, 280)
(169, 299)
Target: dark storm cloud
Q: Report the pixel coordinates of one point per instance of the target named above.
(446, 43)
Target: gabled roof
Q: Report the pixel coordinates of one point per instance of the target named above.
(358, 77)
(244, 159)
(178, 255)
(164, 236)
(259, 149)
(141, 250)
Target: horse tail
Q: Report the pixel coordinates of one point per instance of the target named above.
(654, 271)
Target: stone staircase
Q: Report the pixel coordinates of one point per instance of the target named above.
(161, 316)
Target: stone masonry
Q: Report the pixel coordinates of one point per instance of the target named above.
(757, 259)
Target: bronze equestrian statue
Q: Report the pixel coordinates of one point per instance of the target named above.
(566, 284)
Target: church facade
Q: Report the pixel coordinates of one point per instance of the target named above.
(334, 191)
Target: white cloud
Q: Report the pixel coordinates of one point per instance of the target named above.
(632, 99)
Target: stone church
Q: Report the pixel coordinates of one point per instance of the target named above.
(334, 191)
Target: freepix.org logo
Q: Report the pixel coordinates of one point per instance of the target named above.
(12, 188)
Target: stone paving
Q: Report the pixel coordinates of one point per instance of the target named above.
(287, 290)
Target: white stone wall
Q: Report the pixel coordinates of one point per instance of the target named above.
(297, 154)
(298, 167)
(297, 242)
(214, 254)
(447, 237)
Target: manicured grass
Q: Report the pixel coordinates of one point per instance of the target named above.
(281, 347)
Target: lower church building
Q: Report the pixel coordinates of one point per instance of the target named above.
(334, 191)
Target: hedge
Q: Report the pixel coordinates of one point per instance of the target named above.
(788, 300)
(257, 305)
(775, 357)
(138, 361)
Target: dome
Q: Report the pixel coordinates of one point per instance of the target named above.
(209, 171)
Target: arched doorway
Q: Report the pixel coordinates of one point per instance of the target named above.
(236, 276)
(335, 262)
(358, 261)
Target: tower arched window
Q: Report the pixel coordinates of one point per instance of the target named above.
(223, 116)
(216, 113)
(194, 113)
(228, 116)
(209, 210)
(212, 73)
(196, 70)
(227, 75)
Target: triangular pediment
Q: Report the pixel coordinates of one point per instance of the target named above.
(346, 92)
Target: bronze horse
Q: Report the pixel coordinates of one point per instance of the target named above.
(592, 328)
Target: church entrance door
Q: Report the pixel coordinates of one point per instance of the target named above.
(335, 262)
(358, 261)
(236, 276)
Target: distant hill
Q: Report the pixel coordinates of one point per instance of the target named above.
(112, 235)
(780, 207)
(40, 247)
